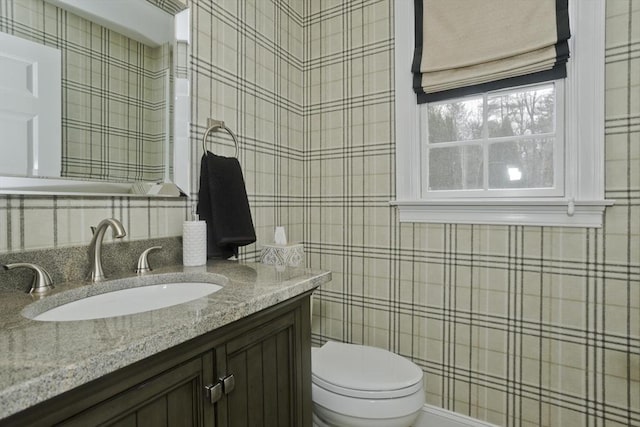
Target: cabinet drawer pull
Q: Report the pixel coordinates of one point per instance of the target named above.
(214, 391)
(229, 383)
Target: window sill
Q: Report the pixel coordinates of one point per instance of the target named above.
(539, 212)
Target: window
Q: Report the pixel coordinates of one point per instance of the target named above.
(491, 144)
(528, 155)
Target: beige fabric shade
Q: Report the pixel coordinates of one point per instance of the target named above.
(471, 46)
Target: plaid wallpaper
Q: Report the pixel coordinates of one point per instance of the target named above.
(521, 326)
(247, 69)
(113, 98)
(518, 326)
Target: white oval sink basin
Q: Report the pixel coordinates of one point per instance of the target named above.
(129, 301)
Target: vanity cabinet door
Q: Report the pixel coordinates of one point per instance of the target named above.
(266, 369)
(173, 398)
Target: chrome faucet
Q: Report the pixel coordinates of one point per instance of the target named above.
(41, 283)
(95, 247)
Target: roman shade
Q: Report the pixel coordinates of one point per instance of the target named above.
(464, 47)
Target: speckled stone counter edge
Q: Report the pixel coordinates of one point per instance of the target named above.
(32, 373)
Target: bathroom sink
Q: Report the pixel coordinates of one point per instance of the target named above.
(129, 301)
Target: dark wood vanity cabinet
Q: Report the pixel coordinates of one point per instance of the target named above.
(253, 372)
(173, 398)
(268, 388)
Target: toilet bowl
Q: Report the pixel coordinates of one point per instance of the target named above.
(355, 385)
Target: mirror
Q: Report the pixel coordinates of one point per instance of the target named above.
(124, 98)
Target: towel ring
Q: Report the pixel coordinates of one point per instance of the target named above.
(212, 125)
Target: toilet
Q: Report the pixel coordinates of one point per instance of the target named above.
(355, 385)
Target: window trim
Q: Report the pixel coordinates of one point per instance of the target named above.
(583, 203)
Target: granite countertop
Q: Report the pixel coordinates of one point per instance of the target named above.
(39, 360)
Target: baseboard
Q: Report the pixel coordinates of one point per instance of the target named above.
(433, 416)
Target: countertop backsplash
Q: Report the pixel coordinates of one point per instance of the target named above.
(71, 264)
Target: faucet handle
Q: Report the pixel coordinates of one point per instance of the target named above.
(143, 262)
(41, 283)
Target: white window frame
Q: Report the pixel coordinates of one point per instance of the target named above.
(485, 141)
(582, 204)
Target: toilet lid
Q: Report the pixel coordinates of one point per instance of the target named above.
(362, 371)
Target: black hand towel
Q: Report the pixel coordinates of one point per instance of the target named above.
(224, 205)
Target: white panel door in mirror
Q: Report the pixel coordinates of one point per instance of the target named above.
(30, 103)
